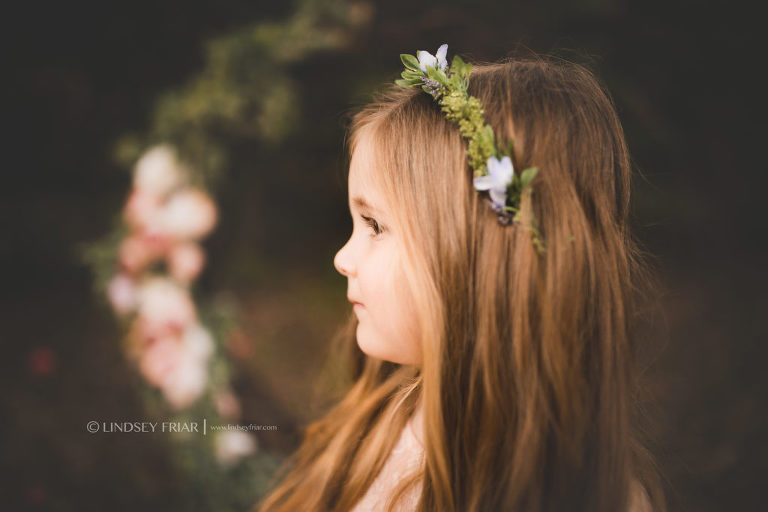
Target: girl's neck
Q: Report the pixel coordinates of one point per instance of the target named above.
(416, 423)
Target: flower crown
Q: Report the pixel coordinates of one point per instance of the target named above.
(493, 170)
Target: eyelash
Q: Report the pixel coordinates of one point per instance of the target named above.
(373, 224)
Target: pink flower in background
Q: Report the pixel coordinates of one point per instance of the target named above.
(227, 405)
(185, 385)
(231, 445)
(158, 172)
(42, 361)
(139, 250)
(133, 254)
(188, 214)
(165, 217)
(122, 293)
(198, 342)
(165, 308)
(178, 365)
(157, 241)
(238, 344)
(141, 209)
(160, 358)
(187, 381)
(36, 495)
(185, 261)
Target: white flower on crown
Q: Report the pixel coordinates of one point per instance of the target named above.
(497, 180)
(437, 60)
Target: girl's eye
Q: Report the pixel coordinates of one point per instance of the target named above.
(373, 224)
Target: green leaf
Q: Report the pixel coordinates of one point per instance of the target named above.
(487, 134)
(414, 81)
(463, 70)
(527, 175)
(457, 66)
(410, 62)
(437, 75)
(510, 147)
(408, 74)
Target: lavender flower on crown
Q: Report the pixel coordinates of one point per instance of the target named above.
(492, 166)
(496, 182)
(435, 61)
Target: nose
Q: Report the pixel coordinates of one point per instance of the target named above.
(342, 261)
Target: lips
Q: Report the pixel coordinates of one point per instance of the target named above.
(354, 302)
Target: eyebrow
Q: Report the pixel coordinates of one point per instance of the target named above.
(362, 204)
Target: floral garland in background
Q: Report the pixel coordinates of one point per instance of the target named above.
(146, 267)
(166, 219)
(181, 359)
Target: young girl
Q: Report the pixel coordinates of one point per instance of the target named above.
(489, 375)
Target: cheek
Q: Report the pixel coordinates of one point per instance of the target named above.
(408, 328)
(375, 277)
(390, 312)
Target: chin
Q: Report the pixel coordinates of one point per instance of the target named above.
(367, 344)
(373, 347)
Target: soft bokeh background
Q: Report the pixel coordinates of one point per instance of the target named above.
(83, 81)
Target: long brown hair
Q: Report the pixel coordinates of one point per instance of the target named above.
(527, 376)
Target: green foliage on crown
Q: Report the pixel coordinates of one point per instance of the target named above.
(449, 87)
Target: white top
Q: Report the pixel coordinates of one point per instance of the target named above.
(405, 458)
(408, 454)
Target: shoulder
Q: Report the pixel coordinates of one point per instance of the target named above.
(638, 498)
(404, 460)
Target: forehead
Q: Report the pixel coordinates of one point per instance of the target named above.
(364, 191)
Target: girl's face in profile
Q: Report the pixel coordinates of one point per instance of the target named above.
(371, 261)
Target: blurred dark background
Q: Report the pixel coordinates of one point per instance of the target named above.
(79, 75)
